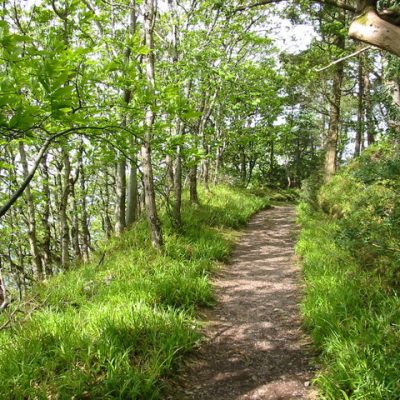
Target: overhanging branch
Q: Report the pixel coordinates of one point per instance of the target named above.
(343, 59)
(18, 193)
(336, 3)
(370, 28)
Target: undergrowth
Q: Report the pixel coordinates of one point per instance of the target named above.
(350, 254)
(118, 327)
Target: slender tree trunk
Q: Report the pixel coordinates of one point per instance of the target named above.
(170, 174)
(132, 207)
(149, 192)
(3, 292)
(368, 109)
(33, 243)
(243, 169)
(179, 127)
(177, 176)
(206, 168)
(46, 242)
(84, 212)
(271, 157)
(360, 111)
(64, 228)
(75, 223)
(218, 159)
(219, 148)
(334, 119)
(178, 188)
(126, 216)
(105, 197)
(193, 194)
(120, 178)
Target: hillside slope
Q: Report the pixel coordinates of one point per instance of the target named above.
(350, 249)
(117, 328)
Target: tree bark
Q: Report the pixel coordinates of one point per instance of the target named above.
(243, 165)
(150, 197)
(206, 168)
(360, 110)
(193, 194)
(370, 28)
(128, 216)
(370, 126)
(84, 212)
(64, 228)
(132, 205)
(120, 179)
(3, 292)
(33, 243)
(75, 220)
(334, 116)
(46, 242)
(105, 197)
(177, 188)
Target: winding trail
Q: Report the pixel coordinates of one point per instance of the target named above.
(256, 348)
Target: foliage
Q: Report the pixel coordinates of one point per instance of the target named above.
(365, 199)
(117, 328)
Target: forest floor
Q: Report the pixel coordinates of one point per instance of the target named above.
(255, 347)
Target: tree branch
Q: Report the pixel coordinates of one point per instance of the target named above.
(336, 3)
(370, 28)
(17, 194)
(343, 59)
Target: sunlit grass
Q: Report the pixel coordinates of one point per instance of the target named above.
(119, 328)
(354, 320)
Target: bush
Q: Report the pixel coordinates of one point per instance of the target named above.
(365, 200)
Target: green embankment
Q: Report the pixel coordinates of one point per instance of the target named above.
(119, 328)
(351, 255)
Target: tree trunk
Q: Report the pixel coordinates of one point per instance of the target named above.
(193, 194)
(150, 197)
(75, 221)
(105, 215)
(178, 188)
(334, 117)
(206, 168)
(368, 109)
(64, 228)
(120, 178)
(169, 174)
(218, 160)
(84, 213)
(360, 111)
(219, 148)
(46, 243)
(3, 293)
(271, 158)
(132, 207)
(33, 243)
(126, 218)
(243, 169)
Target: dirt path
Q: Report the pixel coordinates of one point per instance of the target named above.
(256, 348)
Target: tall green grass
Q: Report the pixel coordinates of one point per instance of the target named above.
(118, 329)
(352, 305)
